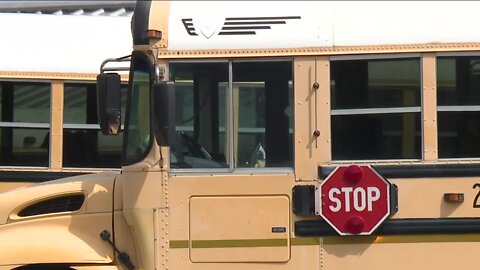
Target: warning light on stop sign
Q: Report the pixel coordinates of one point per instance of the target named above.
(354, 199)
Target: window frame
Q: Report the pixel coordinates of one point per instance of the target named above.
(32, 125)
(130, 160)
(230, 124)
(453, 108)
(378, 111)
(96, 127)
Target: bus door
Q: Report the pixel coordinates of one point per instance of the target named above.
(231, 166)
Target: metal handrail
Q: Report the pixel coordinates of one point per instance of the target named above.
(126, 58)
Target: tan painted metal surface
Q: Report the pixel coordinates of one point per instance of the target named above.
(412, 252)
(11, 185)
(407, 48)
(248, 229)
(198, 210)
(71, 237)
(324, 145)
(159, 21)
(306, 100)
(56, 126)
(97, 189)
(140, 200)
(423, 197)
(429, 107)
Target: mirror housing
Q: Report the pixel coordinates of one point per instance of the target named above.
(109, 103)
(163, 104)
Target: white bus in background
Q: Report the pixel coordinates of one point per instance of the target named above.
(48, 119)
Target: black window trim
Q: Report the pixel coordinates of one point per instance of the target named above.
(126, 161)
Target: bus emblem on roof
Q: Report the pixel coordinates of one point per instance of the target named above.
(235, 25)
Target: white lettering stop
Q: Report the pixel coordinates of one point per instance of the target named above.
(360, 198)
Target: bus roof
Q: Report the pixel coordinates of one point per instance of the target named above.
(61, 43)
(199, 25)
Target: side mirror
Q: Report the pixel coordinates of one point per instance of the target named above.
(163, 103)
(109, 103)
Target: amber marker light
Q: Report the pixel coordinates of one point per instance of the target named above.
(154, 34)
(453, 197)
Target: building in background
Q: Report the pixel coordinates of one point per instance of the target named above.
(96, 8)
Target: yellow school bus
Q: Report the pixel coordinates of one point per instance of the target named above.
(275, 135)
(48, 126)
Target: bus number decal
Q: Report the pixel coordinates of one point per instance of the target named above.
(476, 204)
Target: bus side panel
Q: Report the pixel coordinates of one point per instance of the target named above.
(57, 239)
(200, 208)
(239, 229)
(403, 252)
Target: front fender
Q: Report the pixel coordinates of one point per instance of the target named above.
(56, 235)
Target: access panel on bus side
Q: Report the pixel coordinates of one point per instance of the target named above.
(239, 229)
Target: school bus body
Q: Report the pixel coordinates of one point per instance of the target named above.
(48, 118)
(187, 209)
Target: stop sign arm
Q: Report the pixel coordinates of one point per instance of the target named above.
(393, 199)
(304, 200)
(353, 199)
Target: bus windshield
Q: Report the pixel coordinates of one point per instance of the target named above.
(138, 124)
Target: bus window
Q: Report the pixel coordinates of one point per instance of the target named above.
(458, 100)
(263, 95)
(260, 97)
(376, 109)
(201, 115)
(83, 143)
(138, 123)
(25, 118)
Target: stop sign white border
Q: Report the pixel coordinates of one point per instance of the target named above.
(318, 204)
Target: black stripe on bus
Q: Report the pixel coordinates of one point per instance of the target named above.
(262, 18)
(230, 33)
(255, 22)
(417, 171)
(320, 228)
(34, 176)
(246, 27)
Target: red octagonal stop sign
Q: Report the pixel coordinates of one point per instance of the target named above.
(354, 199)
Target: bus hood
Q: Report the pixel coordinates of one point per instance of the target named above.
(84, 194)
